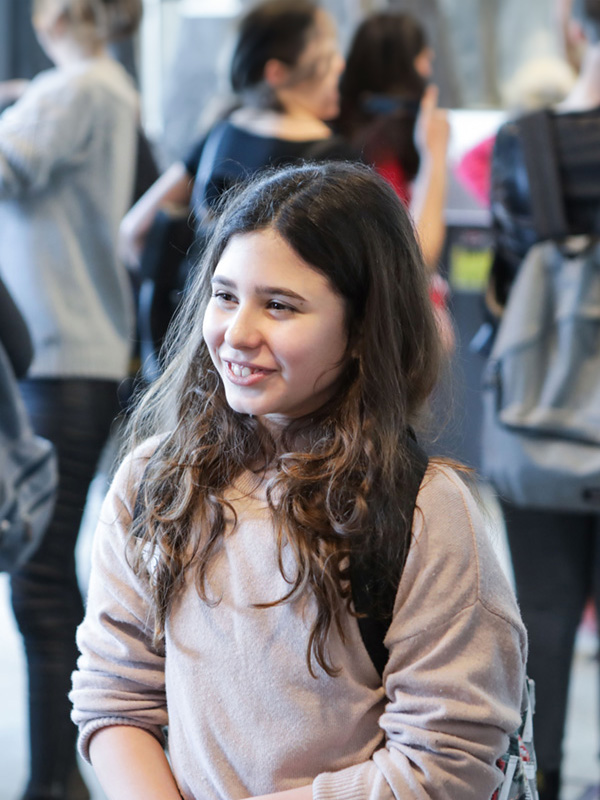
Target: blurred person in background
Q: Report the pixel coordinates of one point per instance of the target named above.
(389, 114)
(555, 554)
(67, 162)
(284, 70)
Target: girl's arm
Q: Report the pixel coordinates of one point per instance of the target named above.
(429, 191)
(131, 764)
(174, 188)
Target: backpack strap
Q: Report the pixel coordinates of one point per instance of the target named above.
(374, 597)
(538, 142)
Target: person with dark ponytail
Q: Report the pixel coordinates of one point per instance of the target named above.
(265, 490)
(389, 113)
(67, 160)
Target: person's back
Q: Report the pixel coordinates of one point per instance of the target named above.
(577, 136)
(67, 159)
(65, 183)
(555, 553)
(390, 115)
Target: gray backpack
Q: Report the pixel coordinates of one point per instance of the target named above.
(541, 394)
(28, 476)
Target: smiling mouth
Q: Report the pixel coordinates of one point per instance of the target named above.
(242, 374)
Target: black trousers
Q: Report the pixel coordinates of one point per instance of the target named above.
(556, 560)
(76, 416)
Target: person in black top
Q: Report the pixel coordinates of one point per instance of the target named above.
(285, 70)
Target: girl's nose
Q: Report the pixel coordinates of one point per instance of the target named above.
(243, 331)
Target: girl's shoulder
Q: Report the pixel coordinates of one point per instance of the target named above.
(131, 470)
(454, 558)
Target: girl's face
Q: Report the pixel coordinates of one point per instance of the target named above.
(313, 82)
(275, 329)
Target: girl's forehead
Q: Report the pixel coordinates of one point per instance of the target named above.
(264, 257)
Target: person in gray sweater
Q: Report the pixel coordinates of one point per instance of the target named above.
(67, 159)
(269, 460)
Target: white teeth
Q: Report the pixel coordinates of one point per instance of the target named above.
(241, 372)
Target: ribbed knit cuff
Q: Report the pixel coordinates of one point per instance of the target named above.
(347, 784)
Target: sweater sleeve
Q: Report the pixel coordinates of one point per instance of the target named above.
(456, 667)
(120, 674)
(44, 130)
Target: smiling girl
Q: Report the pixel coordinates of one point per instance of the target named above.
(268, 461)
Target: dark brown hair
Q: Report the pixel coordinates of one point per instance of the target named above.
(337, 474)
(380, 67)
(278, 29)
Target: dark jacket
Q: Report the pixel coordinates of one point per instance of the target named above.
(578, 146)
(14, 334)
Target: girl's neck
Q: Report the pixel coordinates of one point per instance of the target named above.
(585, 94)
(293, 124)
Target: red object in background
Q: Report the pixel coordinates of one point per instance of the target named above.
(475, 168)
(392, 171)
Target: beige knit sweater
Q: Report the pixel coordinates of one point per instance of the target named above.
(244, 715)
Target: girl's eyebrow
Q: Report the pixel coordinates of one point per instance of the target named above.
(262, 290)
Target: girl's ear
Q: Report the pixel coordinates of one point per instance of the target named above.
(276, 74)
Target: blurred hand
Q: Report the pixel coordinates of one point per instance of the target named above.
(432, 131)
(130, 245)
(10, 91)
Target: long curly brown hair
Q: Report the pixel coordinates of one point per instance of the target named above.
(337, 474)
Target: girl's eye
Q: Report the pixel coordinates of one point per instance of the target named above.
(225, 297)
(276, 305)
